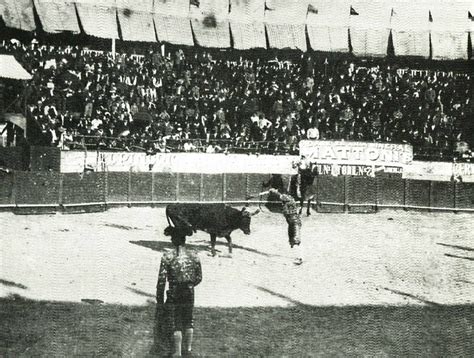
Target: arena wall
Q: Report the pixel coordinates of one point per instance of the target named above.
(13, 158)
(29, 191)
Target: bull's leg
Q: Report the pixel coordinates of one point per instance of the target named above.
(229, 242)
(213, 245)
(301, 205)
(308, 209)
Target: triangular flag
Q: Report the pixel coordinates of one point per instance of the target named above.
(430, 17)
(312, 9)
(353, 12)
(469, 16)
(393, 13)
(194, 2)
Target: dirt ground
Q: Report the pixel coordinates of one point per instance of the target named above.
(391, 258)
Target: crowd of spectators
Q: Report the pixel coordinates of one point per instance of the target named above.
(190, 98)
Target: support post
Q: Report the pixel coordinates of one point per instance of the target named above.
(177, 187)
(404, 194)
(201, 187)
(152, 186)
(129, 188)
(14, 187)
(346, 189)
(106, 186)
(113, 49)
(430, 194)
(224, 194)
(61, 186)
(455, 188)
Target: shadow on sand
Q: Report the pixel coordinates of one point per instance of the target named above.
(46, 328)
(164, 245)
(12, 284)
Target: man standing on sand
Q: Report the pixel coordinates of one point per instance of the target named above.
(293, 218)
(181, 268)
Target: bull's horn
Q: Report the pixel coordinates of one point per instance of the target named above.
(255, 212)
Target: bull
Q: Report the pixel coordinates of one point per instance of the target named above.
(218, 220)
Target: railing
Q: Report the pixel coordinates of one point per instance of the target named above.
(182, 145)
(424, 153)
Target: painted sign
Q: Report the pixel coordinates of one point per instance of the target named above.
(356, 153)
(440, 171)
(76, 161)
(356, 170)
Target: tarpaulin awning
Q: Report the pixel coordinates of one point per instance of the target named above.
(98, 17)
(248, 30)
(18, 14)
(172, 22)
(17, 119)
(410, 30)
(369, 23)
(285, 23)
(57, 15)
(10, 68)
(136, 20)
(328, 25)
(210, 23)
(449, 30)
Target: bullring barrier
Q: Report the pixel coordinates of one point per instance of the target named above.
(50, 191)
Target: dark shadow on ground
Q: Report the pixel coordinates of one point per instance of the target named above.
(279, 295)
(465, 281)
(254, 251)
(417, 298)
(163, 245)
(456, 246)
(460, 257)
(140, 293)
(122, 227)
(44, 328)
(12, 284)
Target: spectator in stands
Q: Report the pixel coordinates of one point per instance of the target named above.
(313, 133)
(93, 94)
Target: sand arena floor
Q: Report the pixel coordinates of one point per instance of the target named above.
(388, 258)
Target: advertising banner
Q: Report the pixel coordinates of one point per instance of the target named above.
(346, 159)
(361, 153)
(331, 157)
(440, 171)
(77, 161)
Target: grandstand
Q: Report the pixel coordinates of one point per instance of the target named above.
(116, 108)
(341, 69)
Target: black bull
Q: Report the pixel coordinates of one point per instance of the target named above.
(218, 220)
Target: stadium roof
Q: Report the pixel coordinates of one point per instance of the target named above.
(243, 23)
(10, 68)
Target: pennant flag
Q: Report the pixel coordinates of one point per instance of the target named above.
(469, 16)
(194, 3)
(312, 9)
(392, 13)
(353, 12)
(430, 17)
